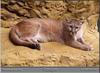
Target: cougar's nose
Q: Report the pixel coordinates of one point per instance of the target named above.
(72, 30)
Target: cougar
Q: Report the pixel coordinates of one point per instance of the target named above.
(32, 32)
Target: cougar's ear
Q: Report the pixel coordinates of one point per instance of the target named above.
(81, 21)
(66, 21)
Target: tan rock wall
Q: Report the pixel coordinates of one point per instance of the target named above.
(13, 10)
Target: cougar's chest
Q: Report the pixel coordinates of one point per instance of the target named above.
(79, 34)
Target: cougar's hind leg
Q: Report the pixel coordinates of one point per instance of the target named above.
(35, 44)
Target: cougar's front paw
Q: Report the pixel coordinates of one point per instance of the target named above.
(88, 48)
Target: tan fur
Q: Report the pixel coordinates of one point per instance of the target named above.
(31, 32)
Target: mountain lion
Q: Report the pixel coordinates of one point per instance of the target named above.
(31, 32)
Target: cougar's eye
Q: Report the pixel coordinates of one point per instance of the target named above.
(76, 27)
(70, 26)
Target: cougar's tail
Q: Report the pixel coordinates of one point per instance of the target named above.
(17, 41)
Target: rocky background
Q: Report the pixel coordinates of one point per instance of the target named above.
(52, 53)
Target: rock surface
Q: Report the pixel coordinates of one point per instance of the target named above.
(52, 53)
